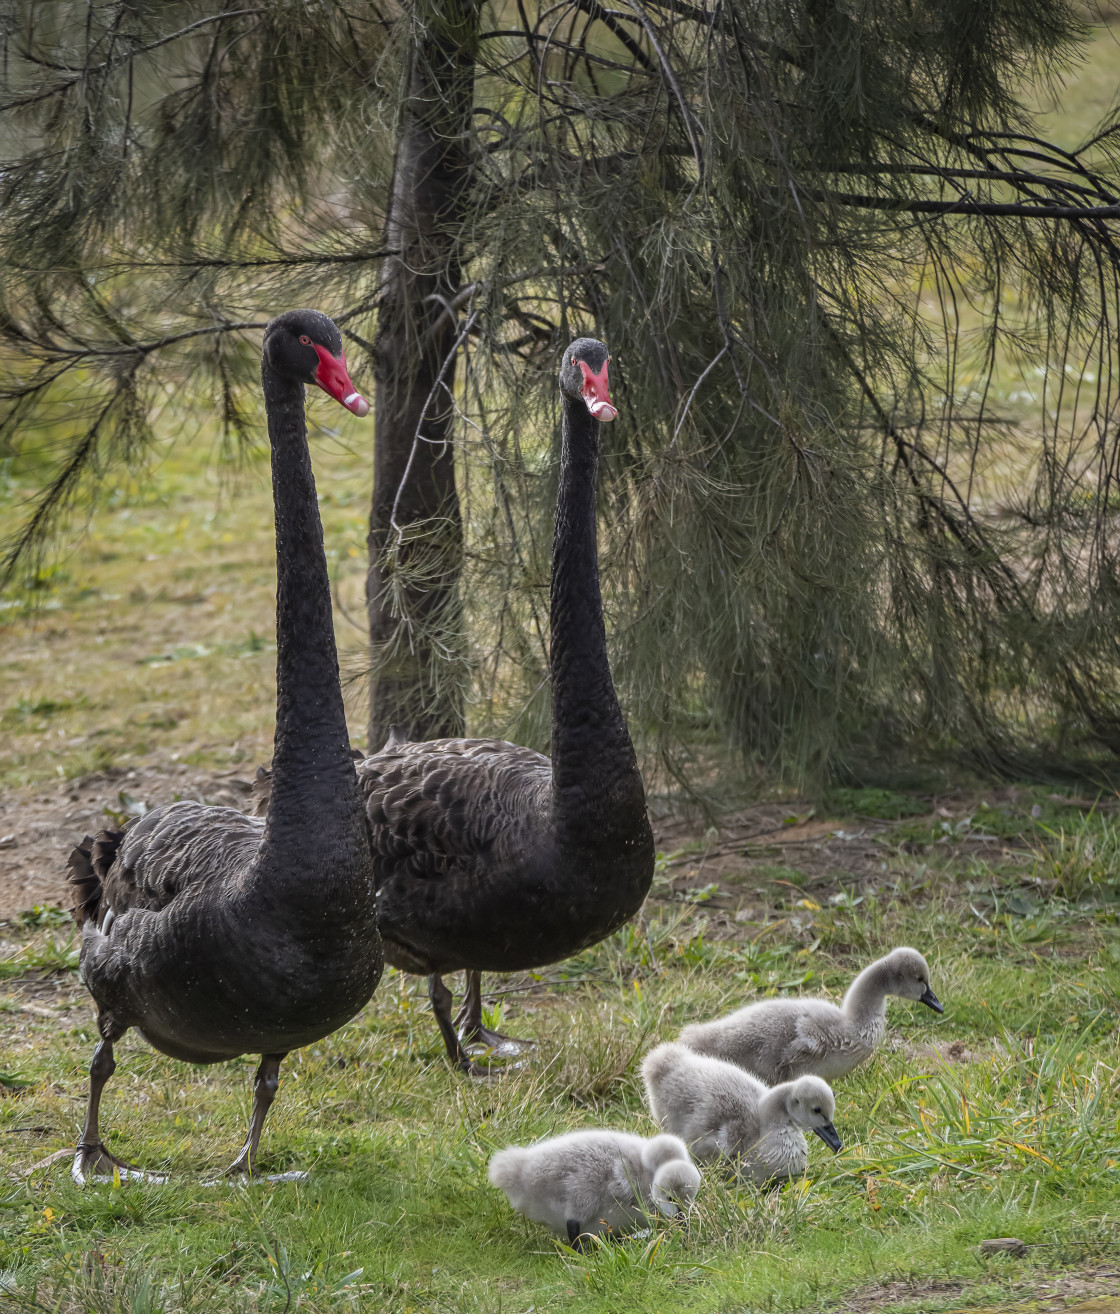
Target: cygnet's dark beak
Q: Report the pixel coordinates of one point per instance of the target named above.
(827, 1133)
(930, 1000)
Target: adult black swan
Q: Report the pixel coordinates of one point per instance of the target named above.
(213, 933)
(490, 857)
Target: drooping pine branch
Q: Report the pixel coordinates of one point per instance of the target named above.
(861, 499)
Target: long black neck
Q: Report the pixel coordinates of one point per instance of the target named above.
(314, 804)
(595, 780)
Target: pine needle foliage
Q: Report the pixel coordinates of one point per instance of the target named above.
(816, 236)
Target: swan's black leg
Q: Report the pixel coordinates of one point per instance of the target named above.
(468, 1023)
(575, 1240)
(440, 996)
(264, 1092)
(91, 1159)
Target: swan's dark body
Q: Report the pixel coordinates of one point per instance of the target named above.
(201, 959)
(214, 933)
(491, 857)
(477, 871)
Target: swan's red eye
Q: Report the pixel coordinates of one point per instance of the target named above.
(305, 339)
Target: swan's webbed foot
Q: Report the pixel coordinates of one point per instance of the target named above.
(243, 1168)
(469, 1027)
(499, 1045)
(94, 1163)
(484, 1071)
(440, 996)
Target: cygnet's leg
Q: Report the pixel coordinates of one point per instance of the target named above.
(575, 1238)
(468, 1023)
(264, 1092)
(92, 1161)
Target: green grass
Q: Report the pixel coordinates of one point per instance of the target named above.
(1021, 1138)
(151, 635)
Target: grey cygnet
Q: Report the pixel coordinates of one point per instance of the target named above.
(780, 1039)
(597, 1182)
(722, 1112)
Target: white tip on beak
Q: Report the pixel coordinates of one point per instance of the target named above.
(602, 410)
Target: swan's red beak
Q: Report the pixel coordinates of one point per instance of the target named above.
(596, 391)
(334, 379)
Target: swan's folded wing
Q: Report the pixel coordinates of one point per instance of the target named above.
(434, 808)
(174, 848)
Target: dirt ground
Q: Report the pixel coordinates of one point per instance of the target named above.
(40, 825)
(1093, 1290)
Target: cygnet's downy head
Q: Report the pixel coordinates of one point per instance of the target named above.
(663, 1149)
(908, 976)
(674, 1186)
(811, 1107)
(583, 377)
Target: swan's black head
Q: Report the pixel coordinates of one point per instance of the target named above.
(306, 345)
(583, 377)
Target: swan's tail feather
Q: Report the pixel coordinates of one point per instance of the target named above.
(84, 883)
(262, 789)
(105, 846)
(89, 864)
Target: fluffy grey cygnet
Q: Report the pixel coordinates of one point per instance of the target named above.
(720, 1111)
(596, 1182)
(780, 1039)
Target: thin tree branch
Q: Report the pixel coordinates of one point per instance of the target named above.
(85, 73)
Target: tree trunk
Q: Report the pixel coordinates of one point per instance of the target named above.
(416, 537)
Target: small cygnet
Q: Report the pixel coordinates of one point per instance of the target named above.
(779, 1039)
(720, 1111)
(596, 1182)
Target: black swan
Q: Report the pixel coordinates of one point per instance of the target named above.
(213, 933)
(488, 856)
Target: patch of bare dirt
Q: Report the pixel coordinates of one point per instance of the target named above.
(1093, 1290)
(40, 825)
(948, 1053)
(783, 849)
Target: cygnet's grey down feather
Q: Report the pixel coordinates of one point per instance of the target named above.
(779, 1039)
(722, 1112)
(596, 1182)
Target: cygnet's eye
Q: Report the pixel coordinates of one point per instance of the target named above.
(817, 1109)
(305, 339)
